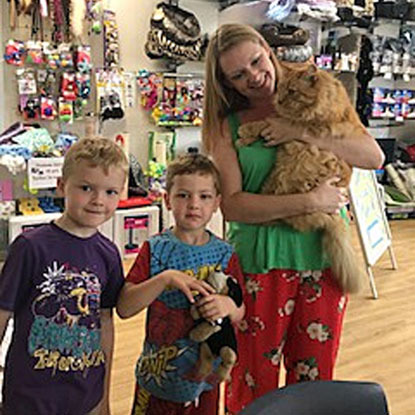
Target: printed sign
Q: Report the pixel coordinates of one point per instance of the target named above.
(43, 172)
(370, 216)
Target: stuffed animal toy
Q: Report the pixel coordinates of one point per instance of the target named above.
(217, 338)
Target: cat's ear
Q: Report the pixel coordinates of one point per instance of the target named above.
(310, 74)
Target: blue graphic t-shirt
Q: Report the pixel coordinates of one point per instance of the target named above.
(56, 283)
(167, 367)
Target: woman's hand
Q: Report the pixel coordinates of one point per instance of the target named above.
(328, 198)
(216, 306)
(186, 284)
(279, 131)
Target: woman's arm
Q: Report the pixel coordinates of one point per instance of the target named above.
(241, 206)
(356, 146)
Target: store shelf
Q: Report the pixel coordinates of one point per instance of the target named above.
(400, 212)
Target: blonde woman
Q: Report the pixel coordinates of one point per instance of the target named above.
(293, 306)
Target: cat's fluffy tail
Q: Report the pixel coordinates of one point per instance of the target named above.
(344, 263)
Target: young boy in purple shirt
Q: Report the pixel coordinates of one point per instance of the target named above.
(60, 282)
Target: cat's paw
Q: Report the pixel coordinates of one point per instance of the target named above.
(243, 142)
(251, 129)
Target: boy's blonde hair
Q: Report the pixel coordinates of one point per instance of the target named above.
(98, 152)
(192, 164)
(220, 98)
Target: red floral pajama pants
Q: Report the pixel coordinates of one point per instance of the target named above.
(294, 314)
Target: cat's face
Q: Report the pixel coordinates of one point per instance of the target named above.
(298, 91)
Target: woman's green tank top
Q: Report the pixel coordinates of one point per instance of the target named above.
(263, 247)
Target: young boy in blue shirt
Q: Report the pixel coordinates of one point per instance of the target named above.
(167, 271)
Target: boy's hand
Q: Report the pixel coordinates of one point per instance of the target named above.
(216, 306)
(187, 284)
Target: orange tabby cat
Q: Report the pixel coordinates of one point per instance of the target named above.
(315, 100)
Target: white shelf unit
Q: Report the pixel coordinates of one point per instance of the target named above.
(133, 226)
(19, 224)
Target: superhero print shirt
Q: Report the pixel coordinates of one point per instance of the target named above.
(167, 367)
(56, 283)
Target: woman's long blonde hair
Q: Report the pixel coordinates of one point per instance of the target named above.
(219, 98)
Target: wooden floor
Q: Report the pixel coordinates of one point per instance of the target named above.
(378, 342)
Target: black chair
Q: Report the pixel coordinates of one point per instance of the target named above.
(322, 398)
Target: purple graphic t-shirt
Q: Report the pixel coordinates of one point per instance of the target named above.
(56, 284)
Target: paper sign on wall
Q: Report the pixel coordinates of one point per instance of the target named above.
(43, 172)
